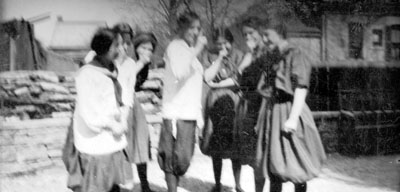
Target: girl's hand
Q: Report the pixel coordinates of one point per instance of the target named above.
(118, 130)
(145, 58)
(211, 84)
(223, 53)
(290, 125)
(251, 45)
(201, 40)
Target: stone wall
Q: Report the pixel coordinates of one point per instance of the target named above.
(36, 110)
(31, 144)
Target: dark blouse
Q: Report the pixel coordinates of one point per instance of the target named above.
(141, 77)
(251, 75)
(290, 69)
(229, 65)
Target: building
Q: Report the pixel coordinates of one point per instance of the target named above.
(363, 33)
(72, 38)
(18, 48)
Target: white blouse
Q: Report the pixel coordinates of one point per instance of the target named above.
(183, 81)
(96, 111)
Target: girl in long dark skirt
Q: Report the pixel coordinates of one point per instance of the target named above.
(219, 136)
(289, 147)
(243, 136)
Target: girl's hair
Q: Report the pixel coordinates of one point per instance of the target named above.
(140, 38)
(102, 41)
(145, 37)
(252, 22)
(123, 29)
(278, 26)
(186, 19)
(224, 33)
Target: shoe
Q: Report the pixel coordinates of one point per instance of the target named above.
(216, 188)
(239, 189)
(146, 189)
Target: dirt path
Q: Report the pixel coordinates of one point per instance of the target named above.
(340, 174)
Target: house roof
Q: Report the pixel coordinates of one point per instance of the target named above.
(298, 28)
(74, 35)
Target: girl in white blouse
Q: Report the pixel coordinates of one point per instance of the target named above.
(100, 119)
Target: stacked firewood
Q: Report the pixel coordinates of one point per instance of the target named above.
(46, 94)
(36, 94)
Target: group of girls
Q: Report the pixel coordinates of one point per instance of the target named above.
(109, 128)
(255, 111)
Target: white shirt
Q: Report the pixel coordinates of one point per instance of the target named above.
(96, 108)
(183, 81)
(127, 71)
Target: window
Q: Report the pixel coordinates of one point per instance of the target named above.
(356, 33)
(377, 37)
(393, 42)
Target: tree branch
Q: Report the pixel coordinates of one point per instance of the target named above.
(164, 7)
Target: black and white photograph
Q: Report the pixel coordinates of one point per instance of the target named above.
(199, 95)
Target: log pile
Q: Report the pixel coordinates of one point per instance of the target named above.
(45, 94)
(36, 94)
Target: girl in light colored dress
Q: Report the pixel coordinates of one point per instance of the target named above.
(289, 147)
(131, 75)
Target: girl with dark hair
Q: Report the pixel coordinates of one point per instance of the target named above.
(246, 80)
(143, 42)
(132, 74)
(289, 147)
(220, 138)
(100, 120)
(182, 111)
(144, 45)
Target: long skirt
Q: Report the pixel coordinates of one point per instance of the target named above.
(296, 157)
(138, 135)
(218, 133)
(245, 123)
(95, 173)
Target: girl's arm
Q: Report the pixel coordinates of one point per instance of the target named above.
(299, 101)
(246, 61)
(224, 83)
(212, 71)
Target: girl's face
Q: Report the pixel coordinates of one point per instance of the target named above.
(251, 34)
(145, 49)
(116, 49)
(191, 33)
(222, 43)
(128, 45)
(271, 38)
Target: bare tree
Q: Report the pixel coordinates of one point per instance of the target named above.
(216, 11)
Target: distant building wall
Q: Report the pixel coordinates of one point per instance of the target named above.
(337, 36)
(311, 46)
(110, 11)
